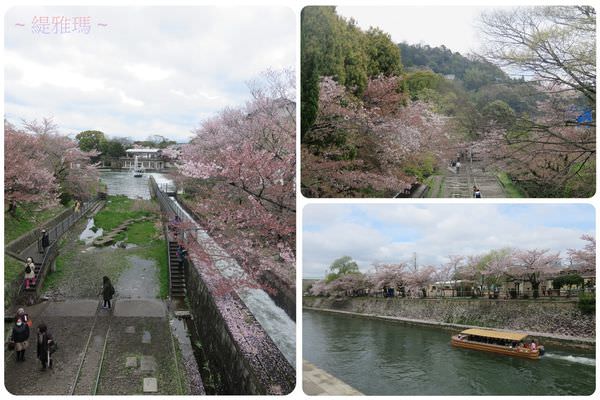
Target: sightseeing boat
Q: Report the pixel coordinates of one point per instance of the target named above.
(138, 173)
(508, 343)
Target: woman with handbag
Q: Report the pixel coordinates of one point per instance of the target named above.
(20, 336)
(29, 273)
(45, 342)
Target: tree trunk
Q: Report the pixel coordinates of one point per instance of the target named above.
(536, 292)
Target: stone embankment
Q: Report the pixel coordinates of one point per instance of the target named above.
(554, 319)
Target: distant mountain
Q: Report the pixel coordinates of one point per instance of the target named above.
(473, 72)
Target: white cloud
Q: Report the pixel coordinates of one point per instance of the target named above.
(130, 101)
(393, 233)
(147, 72)
(148, 68)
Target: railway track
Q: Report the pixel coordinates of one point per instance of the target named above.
(88, 373)
(95, 358)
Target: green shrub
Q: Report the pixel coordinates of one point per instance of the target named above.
(587, 303)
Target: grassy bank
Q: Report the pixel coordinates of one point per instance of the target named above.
(510, 188)
(145, 237)
(436, 184)
(12, 270)
(121, 208)
(26, 218)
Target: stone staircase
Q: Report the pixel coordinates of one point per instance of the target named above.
(471, 174)
(33, 286)
(457, 185)
(176, 272)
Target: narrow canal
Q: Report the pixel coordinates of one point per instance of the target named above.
(384, 358)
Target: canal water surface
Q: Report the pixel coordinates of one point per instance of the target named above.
(386, 358)
(125, 183)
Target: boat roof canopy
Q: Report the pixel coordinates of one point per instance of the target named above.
(495, 334)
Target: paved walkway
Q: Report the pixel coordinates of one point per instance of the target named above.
(95, 346)
(316, 382)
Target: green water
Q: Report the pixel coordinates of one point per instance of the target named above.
(385, 358)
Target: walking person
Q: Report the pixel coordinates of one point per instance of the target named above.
(77, 206)
(107, 292)
(23, 316)
(45, 241)
(45, 345)
(477, 194)
(457, 167)
(29, 273)
(20, 336)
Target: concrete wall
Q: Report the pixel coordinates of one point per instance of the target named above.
(242, 355)
(552, 317)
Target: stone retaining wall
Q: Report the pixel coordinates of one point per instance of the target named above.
(242, 356)
(550, 317)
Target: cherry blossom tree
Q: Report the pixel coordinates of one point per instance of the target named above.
(533, 266)
(493, 266)
(417, 280)
(71, 167)
(26, 178)
(551, 153)
(348, 285)
(388, 276)
(358, 146)
(455, 265)
(319, 288)
(584, 259)
(240, 167)
(442, 275)
(171, 153)
(41, 165)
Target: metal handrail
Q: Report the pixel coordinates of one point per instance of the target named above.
(55, 232)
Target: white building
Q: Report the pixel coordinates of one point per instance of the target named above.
(150, 159)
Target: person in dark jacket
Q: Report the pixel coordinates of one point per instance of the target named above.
(107, 292)
(44, 343)
(20, 336)
(45, 240)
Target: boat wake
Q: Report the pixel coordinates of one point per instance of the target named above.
(575, 359)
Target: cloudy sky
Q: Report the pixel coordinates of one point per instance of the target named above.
(423, 24)
(392, 233)
(140, 71)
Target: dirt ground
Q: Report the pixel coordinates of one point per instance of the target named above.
(83, 266)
